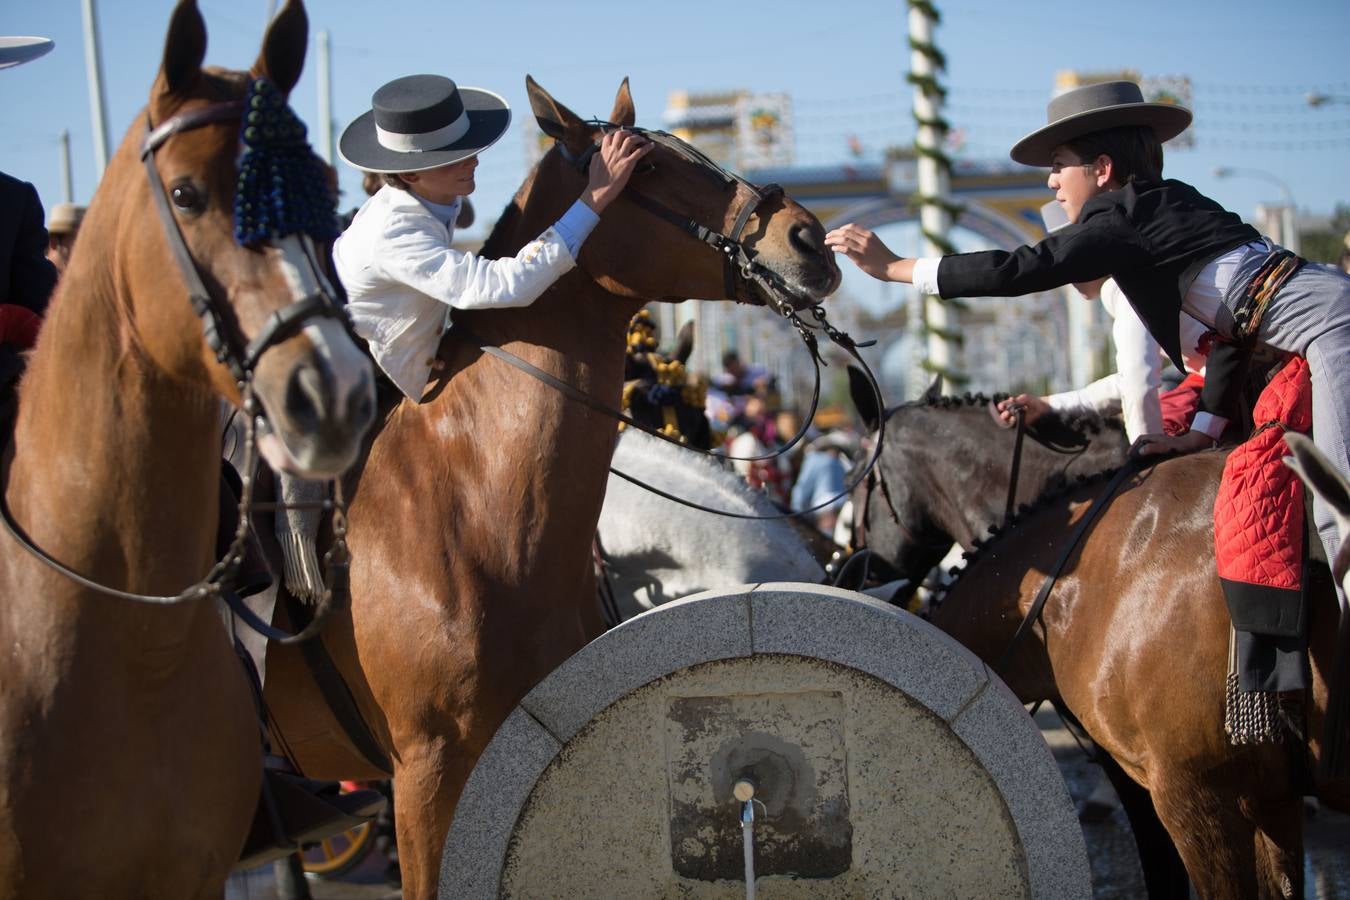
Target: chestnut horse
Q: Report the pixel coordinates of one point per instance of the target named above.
(130, 753)
(471, 523)
(1133, 640)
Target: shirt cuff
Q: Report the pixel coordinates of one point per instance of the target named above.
(1210, 424)
(925, 274)
(576, 225)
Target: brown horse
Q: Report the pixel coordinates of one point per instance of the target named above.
(1133, 641)
(472, 521)
(129, 746)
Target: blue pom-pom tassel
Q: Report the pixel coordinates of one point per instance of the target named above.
(282, 186)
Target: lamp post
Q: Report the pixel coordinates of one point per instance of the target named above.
(1288, 228)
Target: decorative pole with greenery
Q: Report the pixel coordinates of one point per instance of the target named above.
(936, 210)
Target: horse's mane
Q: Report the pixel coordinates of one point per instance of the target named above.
(1081, 421)
(1019, 518)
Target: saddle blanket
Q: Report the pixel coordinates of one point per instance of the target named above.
(1259, 517)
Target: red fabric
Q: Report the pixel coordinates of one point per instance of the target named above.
(1179, 405)
(1258, 515)
(18, 326)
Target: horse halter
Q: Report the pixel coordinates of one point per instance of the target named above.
(222, 336)
(738, 263)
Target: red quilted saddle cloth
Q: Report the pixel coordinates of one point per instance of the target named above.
(1258, 515)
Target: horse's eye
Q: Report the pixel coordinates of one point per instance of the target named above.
(186, 197)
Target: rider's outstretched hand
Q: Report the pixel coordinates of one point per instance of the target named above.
(612, 166)
(868, 252)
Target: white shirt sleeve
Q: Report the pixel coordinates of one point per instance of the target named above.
(1102, 396)
(925, 274)
(419, 258)
(1138, 364)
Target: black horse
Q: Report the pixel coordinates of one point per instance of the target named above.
(946, 472)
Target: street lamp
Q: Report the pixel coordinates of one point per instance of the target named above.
(1288, 228)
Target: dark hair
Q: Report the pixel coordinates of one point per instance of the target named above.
(1135, 151)
(394, 180)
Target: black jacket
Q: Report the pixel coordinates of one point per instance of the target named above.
(26, 275)
(1152, 238)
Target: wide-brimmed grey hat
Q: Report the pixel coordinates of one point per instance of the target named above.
(1096, 107)
(423, 122)
(16, 51)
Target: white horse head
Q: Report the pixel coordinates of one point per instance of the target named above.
(659, 550)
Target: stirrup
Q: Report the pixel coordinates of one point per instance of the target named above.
(293, 813)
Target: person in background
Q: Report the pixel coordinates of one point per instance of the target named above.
(824, 470)
(62, 226)
(26, 275)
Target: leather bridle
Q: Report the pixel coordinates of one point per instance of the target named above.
(222, 336)
(241, 357)
(740, 267)
(738, 263)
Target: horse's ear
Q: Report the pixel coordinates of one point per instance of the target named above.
(860, 389)
(623, 113)
(283, 51)
(556, 120)
(934, 392)
(184, 48)
(684, 342)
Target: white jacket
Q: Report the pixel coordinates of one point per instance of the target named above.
(402, 277)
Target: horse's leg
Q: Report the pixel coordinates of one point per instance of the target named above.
(428, 781)
(1215, 840)
(1279, 846)
(1165, 875)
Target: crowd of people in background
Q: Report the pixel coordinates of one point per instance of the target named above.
(809, 477)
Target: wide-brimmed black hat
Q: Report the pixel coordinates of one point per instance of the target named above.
(422, 122)
(15, 51)
(1096, 107)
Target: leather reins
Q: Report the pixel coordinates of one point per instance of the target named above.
(739, 267)
(241, 358)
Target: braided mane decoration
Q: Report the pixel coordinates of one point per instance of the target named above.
(1085, 421)
(1019, 517)
(282, 186)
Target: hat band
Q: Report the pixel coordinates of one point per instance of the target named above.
(425, 140)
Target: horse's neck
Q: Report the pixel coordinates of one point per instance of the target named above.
(972, 480)
(114, 468)
(531, 459)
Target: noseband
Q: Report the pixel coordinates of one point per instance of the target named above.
(222, 336)
(738, 263)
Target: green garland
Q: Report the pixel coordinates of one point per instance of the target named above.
(933, 90)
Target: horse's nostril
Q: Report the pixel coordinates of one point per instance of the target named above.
(804, 238)
(306, 398)
(361, 404)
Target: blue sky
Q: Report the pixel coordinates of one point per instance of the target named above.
(1251, 64)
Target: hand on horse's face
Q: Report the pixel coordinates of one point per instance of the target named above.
(611, 168)
(867, 251)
